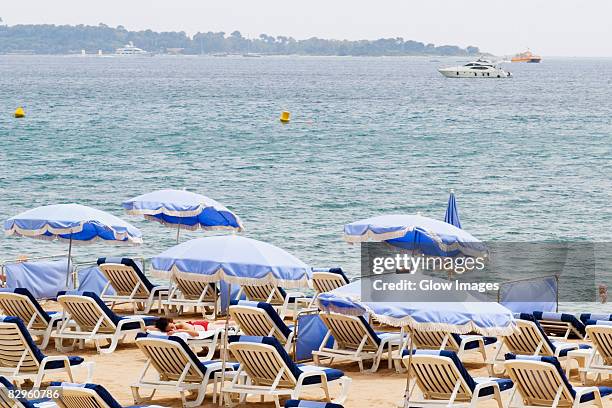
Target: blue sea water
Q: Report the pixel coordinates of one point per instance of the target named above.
(530, 157)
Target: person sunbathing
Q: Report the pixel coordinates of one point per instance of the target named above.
(170, 327)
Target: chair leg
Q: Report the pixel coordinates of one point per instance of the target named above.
(345, 383)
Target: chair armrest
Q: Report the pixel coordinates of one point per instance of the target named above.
(49, 359)
(134, 319)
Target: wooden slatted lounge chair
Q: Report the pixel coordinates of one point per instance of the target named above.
(326, 281)
(261, 319)
(96, 322)
(444, 381)
(355, 340)
(561, 325)
(270, 371)
(540, 382)
(276, 296)
(21, 358)
(87, 396)
(177, 367)
(186, 292)
(130, 285)
(8, 400)
(600, 359)
(21, 303)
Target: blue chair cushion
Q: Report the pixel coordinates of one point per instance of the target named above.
(567, 347)
(269, 309)
(330, 373)
(310, 404)
(584, 317)
(470, 345)
(603, 391)
(599, 322)
(562, 317)
(134, 265)
(148, 321)
(73, 360)
(25, 292)
(503, 383)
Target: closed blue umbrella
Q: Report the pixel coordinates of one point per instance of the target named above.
(415, 232)
(184, 210)
(452, 214)
(74, 223)
(234, 259)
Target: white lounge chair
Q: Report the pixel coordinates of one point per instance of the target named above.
(95, 322)
(186, 292)
(21, 358)
(560, 325)
(8, 399)
(459, 343)
(355, 340)
(261, 319)
(21, 303)
(177, 369)
(87, 396)
(270, 371)
(130, 285)
(326, 280)
(530, 339)
(600, 359)
(445, 382)
(585, 317)
(540, 382)
(276, 296)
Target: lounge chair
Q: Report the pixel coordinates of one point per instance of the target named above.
(177, 368)
(270, 371)
(355, 340)
(530, 339)
(276, 296)
(444, 381)
(561, 325)
(540, 382)
(130, 285)
(310, 404)
(95, 321)
(87, 396)
(326, 280)
(9, 401)
(261, 319)
(186, 292)
(459, 343)
(600, 359)
(21, 303)
(21, 358)
(584, 317)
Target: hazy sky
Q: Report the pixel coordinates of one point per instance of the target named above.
(548, 27)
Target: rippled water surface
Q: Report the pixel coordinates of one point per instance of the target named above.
(530, 157)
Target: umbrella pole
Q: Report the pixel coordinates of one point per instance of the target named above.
(68, 267)
(225, 351)
(178, 232)
(407, 392)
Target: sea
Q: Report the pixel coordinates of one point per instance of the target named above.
(529, 157)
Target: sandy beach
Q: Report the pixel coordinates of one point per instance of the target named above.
(385, 388)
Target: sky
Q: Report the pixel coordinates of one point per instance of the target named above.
(548, 27)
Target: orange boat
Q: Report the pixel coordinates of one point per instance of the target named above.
(526, 56)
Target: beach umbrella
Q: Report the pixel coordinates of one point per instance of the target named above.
(417, 233)
(73, 223)
(184, 210)
(452, 213)
(463, 314)
(233, 259)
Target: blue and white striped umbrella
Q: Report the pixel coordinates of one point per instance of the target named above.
(452, 213)
(464, 316)
(233, 259)
(72, 222)
(77, 224)
(415, 232)
(184, 209)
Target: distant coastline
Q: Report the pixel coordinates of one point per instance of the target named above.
(65, 39)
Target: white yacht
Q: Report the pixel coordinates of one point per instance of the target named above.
(130, 49)
(480, 68)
